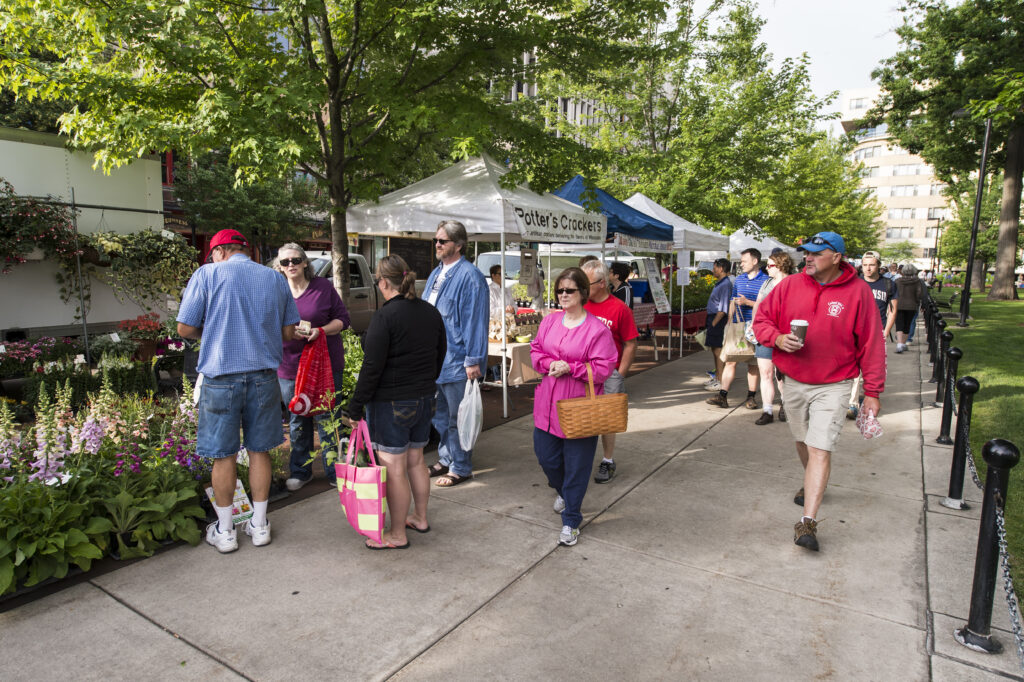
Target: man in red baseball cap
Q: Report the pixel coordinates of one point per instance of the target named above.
(243, 311)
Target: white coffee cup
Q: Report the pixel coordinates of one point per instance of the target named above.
(798, 328)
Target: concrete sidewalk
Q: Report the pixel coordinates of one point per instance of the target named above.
(685, 569)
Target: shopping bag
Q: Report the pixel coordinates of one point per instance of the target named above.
(363, 490)
(471, 415)
(735, 347)
(869, 425)
(314, 382)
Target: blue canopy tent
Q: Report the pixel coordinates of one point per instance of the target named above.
(627, 227)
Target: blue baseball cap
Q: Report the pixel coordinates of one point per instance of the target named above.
(822, 241)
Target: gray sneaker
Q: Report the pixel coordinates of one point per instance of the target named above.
(559, 505)
(568, 536)
(605, 472)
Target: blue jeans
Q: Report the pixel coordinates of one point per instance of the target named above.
(449, 450)
(397, 425)
(301, 433)
(913, 326)
(246, 400)
(567, 463)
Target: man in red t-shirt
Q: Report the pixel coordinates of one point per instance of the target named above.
(619, 319)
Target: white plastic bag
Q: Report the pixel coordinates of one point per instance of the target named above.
(471, 415)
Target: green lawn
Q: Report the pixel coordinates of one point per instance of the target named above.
(993, 347)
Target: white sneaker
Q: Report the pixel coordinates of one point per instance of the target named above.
(294, 484)
(568, 536)
(260, 535)
(713, 386)
(559, 504)
(224, 541)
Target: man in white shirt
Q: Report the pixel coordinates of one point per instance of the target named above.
(502, 300)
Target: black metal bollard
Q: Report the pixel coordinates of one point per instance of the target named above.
(940, 366)
(940, 329)
(953, 354)
(1001, 456)
(967, 386)
(930, 311)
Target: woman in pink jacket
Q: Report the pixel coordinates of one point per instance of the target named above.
(565, 343)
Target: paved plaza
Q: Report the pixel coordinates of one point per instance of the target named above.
(685, 569)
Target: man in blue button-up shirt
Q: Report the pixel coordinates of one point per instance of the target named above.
(459, 292)
(243, 312)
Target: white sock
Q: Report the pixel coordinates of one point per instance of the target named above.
(259, 513)
(224, 524)
(610, 461)
(805, 519)
(767, 409)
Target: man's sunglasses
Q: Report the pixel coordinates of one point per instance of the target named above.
(821, 241)
(285, 262)
(565, 291)
(442, 242)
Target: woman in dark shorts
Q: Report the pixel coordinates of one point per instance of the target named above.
(405, 347)
(909, 292)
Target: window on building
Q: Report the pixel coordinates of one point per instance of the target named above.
(936, 189)
(937, 213)
(929, 252)
(899, 232)
(896, 149)
(859, 103)
(930, 232)
(867, 152)
(870, 172)
(904, 190)
(911, 169)
(871, 133)
(901, 214)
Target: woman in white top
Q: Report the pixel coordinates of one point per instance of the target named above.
(779, 266)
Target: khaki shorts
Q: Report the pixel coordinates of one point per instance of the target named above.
(816, 412)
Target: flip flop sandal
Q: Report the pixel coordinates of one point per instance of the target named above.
(451, 480)
(418, 530)
(386, 545)
(437, 469)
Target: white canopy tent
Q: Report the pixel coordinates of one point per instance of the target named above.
(686, 236)
(470, 192)
(743, 239)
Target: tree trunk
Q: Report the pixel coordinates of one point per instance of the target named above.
(339, 245)
(1003, 288)
(978, 275)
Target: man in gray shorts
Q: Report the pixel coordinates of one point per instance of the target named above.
(619, 319)
(842, 338)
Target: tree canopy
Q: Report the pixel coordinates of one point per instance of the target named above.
(954, 58)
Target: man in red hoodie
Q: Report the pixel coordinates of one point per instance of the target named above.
(843, 338)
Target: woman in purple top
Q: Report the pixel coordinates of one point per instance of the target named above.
(566, 341)
(320, 305)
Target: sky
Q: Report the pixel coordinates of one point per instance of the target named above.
(845, 39)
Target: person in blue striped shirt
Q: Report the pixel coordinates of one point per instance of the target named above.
(744, 295)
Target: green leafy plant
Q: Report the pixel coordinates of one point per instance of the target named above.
(27, 223)
(147, 268)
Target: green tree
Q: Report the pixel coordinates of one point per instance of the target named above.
(898, 252)
(956, 235)
(695, 117)
(358, 93)
(953, 56)
(272, 212)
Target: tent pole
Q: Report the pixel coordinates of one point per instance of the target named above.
(504, 337)
(668, 342)
(544, 295)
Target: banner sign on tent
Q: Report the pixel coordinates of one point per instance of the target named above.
(638, 244)
(657, 290)
(683, 273)
(540, 224)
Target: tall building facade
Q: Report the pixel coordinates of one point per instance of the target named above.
(903, 183)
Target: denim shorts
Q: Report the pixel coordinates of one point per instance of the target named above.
(763, 352)
(397, 425)
(250, 401)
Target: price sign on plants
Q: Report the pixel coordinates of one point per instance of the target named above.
(657, 290)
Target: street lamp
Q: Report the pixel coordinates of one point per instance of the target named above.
(965, 295)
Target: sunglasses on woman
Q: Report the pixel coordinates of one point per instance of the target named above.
(565, 291)
(285, 262)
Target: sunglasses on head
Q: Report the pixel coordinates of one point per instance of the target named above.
(442, 242)
(565, 291)
(285, 262)
(821, 241)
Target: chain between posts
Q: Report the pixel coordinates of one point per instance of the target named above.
(1004, 560)
(951, 387)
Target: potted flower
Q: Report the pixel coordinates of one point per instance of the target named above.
(145, 330)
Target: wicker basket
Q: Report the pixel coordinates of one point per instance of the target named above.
(593, 415)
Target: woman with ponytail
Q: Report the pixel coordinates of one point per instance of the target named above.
(405, 348)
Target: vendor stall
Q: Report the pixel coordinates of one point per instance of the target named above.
(470, 192)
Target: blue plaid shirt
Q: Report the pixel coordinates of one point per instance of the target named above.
(241, 307)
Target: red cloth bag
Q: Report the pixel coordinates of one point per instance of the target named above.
(314, 382)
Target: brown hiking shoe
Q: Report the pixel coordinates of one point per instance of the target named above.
(798, 500)
(804, 534)
(718, 400)
(751, 404)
